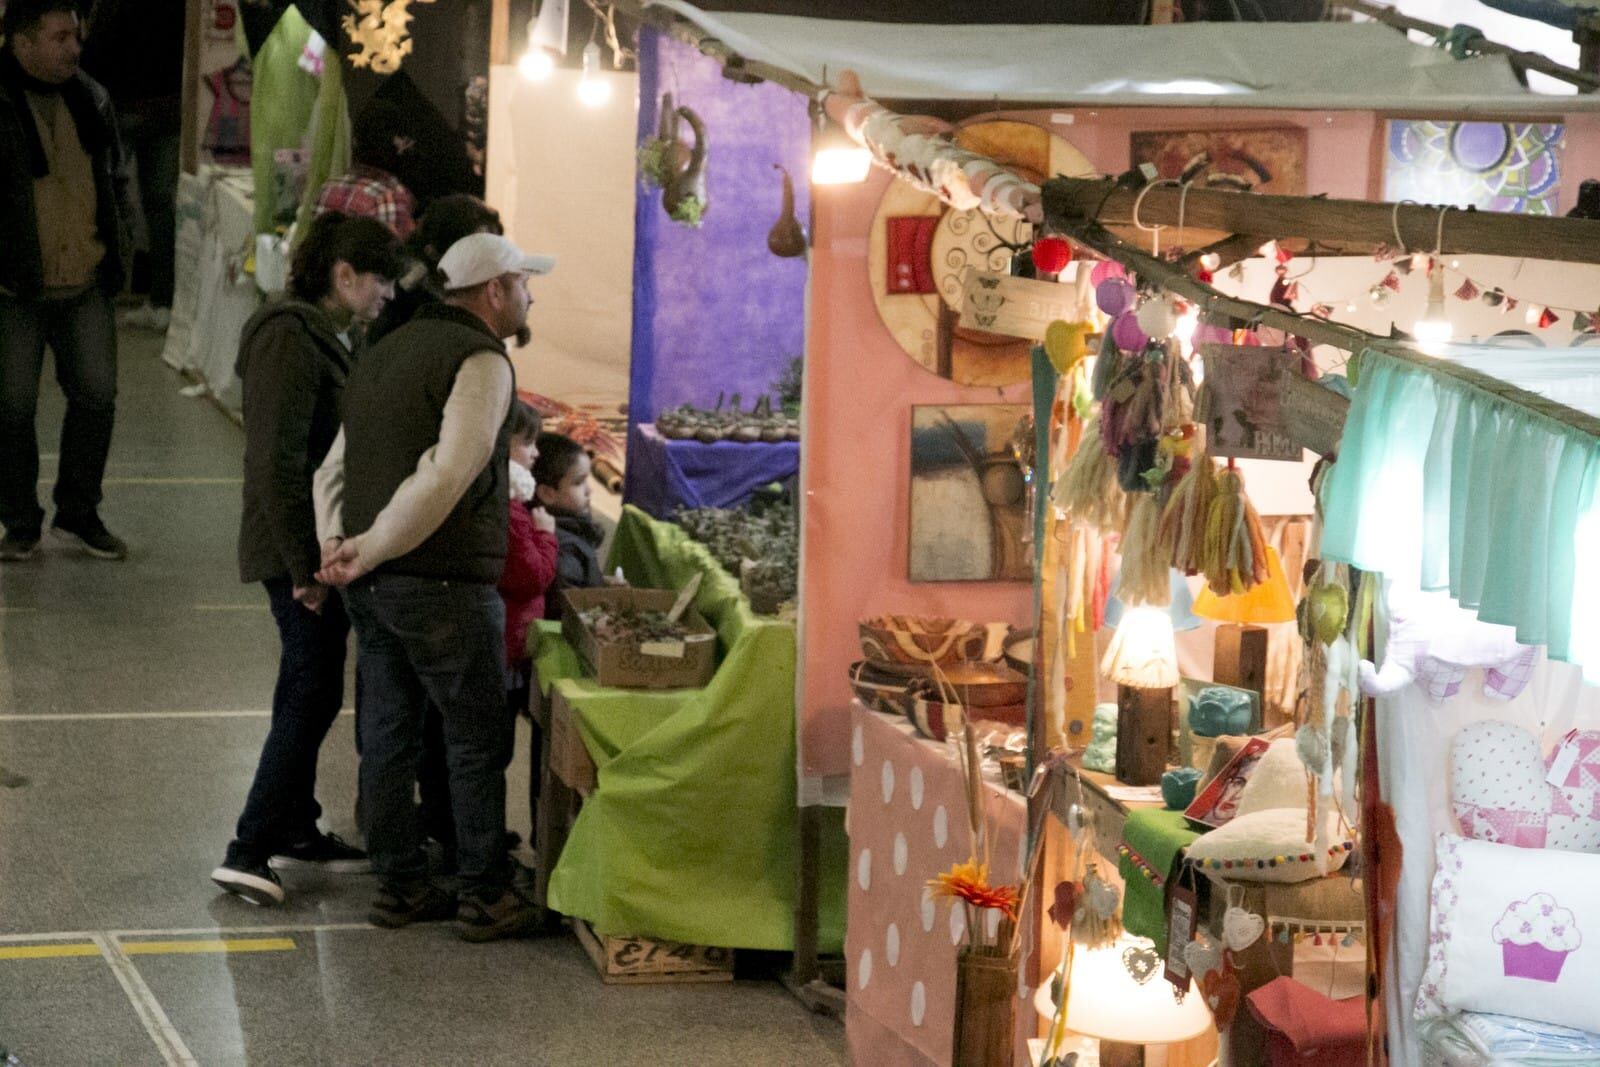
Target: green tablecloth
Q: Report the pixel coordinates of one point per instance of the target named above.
(691, 831)
(1152, 840)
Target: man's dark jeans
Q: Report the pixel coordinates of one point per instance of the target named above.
(282, 808)
(81, 331)
(423, 639)
(153, 143)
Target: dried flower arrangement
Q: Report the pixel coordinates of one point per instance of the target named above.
(758, 545)
(613, 624)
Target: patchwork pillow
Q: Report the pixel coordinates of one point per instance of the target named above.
(1514, 931)
(1265, 846)
(1499, 792)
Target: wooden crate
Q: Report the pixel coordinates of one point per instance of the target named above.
(569, 756)
(646, 960)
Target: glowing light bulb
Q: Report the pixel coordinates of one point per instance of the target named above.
(593, 90)
(1433, 329)
(838, 160)
(536, 65)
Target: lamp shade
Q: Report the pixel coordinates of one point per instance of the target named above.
(1179, 610)
(1264, 602)
(1142, 652)
(1105, 1000)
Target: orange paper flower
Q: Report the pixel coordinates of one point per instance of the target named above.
(970, 882)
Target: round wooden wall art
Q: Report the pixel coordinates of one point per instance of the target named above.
(920, 248)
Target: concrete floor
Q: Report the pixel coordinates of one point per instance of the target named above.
(132, 701)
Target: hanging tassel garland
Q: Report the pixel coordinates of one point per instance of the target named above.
(1182, 533)
(1234, 556)
(1087, 488)
(1144, 569)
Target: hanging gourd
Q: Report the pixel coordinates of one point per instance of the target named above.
(787, 238)
(684, 195)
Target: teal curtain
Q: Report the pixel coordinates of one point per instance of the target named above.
(1444, 483)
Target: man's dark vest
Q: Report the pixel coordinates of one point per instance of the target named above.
(393, 408)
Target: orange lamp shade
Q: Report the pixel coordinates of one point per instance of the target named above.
(1264, 602)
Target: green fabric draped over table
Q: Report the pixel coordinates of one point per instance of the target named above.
(691, 833)
(1445, 482)
(1153, 841)
(292, 108)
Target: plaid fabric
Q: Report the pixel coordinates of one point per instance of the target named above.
(370, 193)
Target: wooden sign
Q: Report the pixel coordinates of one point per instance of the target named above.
(1016, 307)
(1241, 402)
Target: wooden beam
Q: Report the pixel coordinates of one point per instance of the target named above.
(1353, 226)
(1522, 60)
(499, 33)
(189, 128)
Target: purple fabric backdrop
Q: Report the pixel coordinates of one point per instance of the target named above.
(713, 310)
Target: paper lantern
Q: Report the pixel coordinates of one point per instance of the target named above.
(1052, 254)
(1127, 333)
(1157, 317)
(1105, 270)
(1211, 333)
(1114, 296)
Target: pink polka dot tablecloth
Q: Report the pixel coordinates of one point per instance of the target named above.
(907, 822)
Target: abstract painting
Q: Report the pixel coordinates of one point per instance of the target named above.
(1494, 166)
(1270, 160)
(969, 494)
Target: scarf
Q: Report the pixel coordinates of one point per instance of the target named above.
(521, 483)
(92, 132)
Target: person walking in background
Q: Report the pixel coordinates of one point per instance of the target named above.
(135, 49)
(447, 220)
(294, 357)
(63, 207)
(370, 188)
(411, 503)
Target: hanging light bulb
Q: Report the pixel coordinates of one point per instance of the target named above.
(1433, 329)
(593, 90)
(535, 65)
(547, 34)
(837, 159)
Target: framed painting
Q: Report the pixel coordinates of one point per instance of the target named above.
(1269, 160)
(969, 495)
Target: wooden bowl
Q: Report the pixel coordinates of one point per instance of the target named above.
(977, 685)
(938, 720)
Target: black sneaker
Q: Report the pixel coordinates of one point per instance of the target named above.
(489, 916)
(18, 545)
(326, 852)
(400, 905)
(91, 535)
(254, 882)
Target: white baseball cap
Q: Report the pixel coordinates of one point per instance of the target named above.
(482, 257)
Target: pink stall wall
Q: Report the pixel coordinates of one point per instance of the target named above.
(860, 388)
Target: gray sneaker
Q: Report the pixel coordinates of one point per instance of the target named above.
(18, 545)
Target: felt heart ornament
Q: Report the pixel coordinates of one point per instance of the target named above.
(1241, 928)
(1142, 963)
(1102, 896)
(1222, 993)
(1203, 955)
(1330, 606)
(1500, 792)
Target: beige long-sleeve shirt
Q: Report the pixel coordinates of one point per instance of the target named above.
(473, 414)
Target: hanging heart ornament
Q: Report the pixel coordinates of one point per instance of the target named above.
(1241, 928)
(1222, 993)
(1203, 957)
(1103, 897)
(1141, 962)
(1330, 607)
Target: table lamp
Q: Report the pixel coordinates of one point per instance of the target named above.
(1241, 655)
(1107, 999)
(1143, 661)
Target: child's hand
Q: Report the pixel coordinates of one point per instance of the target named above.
(542, 520)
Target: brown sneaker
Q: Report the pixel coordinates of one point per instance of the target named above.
(491, 915)
(400, 905)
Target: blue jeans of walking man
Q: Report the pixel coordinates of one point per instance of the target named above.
(423, 639)
(81, 332)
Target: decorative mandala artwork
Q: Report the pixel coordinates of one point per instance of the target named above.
(1495, 166)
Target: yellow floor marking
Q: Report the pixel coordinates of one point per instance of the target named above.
(48, 952)
(229, 945)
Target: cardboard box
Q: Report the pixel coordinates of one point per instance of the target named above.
(652, 665)
(645, 960)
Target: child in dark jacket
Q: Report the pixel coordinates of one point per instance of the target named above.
(562, 473)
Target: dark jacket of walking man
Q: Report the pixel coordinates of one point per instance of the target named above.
(63, 204)
(411, 506)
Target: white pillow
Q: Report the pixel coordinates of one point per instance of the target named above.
(1264, 846)
(1279, 781)
(1514, 931)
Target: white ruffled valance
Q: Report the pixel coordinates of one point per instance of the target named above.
(1452, 481)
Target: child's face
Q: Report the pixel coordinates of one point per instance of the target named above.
(571, 494)
(523, 452)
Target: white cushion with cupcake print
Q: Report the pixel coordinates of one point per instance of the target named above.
(1514, 931)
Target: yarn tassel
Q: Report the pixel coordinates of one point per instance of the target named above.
(1182, 532)
(1144, 569)
(1087, 488)
(1234, 554)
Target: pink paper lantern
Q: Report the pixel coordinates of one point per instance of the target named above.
(1127, 333)
(1114, 296)
(1105, 270)
(1210, 333)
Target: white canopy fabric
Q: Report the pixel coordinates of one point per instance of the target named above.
(1313, 65)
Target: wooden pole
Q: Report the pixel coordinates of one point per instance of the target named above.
(189, 130)
(1356, 227)
(500, 33)
(1521, 60)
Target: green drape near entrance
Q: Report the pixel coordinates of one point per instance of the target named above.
(691, 833)
(293, 108)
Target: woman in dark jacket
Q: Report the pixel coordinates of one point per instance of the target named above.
(293, 359)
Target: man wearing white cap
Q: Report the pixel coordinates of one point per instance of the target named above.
(411, 507)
